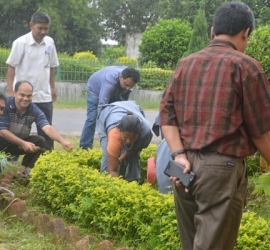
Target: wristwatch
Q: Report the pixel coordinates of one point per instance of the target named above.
(178, 152)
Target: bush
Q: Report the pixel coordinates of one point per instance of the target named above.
(124, 60)
(258, 47)
(154, 78)
(86, 55)
(108, 205)
(165, 43)
(253, 233)
(110, 53)
(69, 183)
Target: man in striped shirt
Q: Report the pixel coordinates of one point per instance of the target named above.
(15, 127)
(218, 104)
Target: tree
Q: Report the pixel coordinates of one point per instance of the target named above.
(165, 42)
(75, 26)
(127, 16)
(199, 37)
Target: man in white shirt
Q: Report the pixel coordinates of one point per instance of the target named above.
(33, 58)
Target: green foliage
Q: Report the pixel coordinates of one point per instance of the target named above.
(145, 155)
(126, 17)
(87, 55)
(154, 78)
(165, 43)
(199, 37)
(112, 206)
(253, 233)
(124, 60)
(263, 185)
(258, 47)
(110, 53)
(69, 183)
(253, 164)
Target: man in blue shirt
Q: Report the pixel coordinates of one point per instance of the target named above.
(15, 126)
(110, 84)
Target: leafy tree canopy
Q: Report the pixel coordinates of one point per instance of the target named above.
(165, 42)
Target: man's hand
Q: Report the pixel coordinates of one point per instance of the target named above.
(181, 159)
(67, 145)
(29, 147)
(54, 95)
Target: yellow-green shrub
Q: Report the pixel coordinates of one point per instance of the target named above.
(154, 78)
(253, 233)
(66, 182)
(128, 61)
(86, 55)
(69, 182)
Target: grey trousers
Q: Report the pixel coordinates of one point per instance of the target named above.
(209, 216)
(129, 169)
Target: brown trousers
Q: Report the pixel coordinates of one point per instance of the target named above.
(209, 215)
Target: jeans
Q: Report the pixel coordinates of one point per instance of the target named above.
(88, 132)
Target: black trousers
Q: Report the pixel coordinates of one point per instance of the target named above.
(29, 159)
(47, 109)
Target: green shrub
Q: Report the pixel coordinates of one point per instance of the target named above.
(69, 183)
(124, 60)
(258, 47)
(253, 233)
(4, 53)
(154, 78)
(253, 164)
(86, 55)
(110, 53)
(165, 43)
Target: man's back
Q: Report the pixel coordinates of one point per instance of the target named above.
(211, 88)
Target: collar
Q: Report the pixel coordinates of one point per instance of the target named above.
(13, 106)
(222, 43)
(33, 41)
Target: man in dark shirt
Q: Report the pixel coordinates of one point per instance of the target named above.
(218, 104)
(15, 126)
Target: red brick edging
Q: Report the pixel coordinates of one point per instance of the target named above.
(43, 223)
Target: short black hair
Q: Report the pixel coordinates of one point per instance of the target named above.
(130, 123)
(3, 97)
(233, 17)
(19, 83)
(132, 73)
(40, 17)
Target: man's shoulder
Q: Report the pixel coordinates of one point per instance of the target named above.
(22, 39)
(48, 39)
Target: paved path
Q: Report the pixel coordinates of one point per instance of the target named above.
(71, 121)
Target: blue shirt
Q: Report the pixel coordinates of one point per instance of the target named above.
(20, 125)
(104, 85)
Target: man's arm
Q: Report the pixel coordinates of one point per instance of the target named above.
(54, 135)
(13, 139)
(52, 85)
(262, 143)
(10, 79)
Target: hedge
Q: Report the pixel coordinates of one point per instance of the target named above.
(69, 183)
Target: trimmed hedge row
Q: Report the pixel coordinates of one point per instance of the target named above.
(69, 182)
(82, 65)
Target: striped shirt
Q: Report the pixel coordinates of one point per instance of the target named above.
(219, 98)
(20, 125)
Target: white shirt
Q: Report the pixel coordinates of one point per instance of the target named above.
(32, 62)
